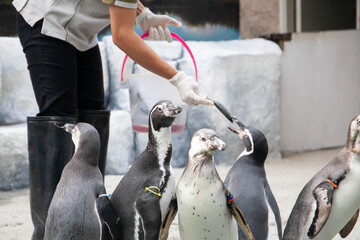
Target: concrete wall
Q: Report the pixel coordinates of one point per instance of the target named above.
(259, 17)
(320, 89)
(358, 14)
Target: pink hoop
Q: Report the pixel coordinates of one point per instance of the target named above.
(175, 36)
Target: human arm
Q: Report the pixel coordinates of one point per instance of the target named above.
(124, 37)
(122, 28)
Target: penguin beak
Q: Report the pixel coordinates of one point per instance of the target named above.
(240, 133)
(217, 144)
(69, 127)
(172, 110)
(240, 124)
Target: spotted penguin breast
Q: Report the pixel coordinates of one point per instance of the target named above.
(203, 211)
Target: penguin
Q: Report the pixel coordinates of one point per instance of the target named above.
(329, 203)
(72, 212)
(246, 179)
(144, 193)
(205, 207)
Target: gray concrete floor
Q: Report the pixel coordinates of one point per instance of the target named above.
(286, 177)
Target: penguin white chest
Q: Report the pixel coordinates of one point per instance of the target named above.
(163, 139)
(346, 201)
(167, 193)
(203, 211)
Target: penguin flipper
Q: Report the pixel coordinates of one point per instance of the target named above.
(349, 226)
(323, 195)
(148, 206)
(108, 214)
(238, 215)
(169, 217)
(274, 207)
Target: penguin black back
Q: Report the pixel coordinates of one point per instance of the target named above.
(247, 181)
(72, 213)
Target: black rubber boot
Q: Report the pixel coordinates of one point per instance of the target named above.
(50, 148)
(100, 119)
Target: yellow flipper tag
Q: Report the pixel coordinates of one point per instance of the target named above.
(153, 187)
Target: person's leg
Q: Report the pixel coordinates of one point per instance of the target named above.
(90, 91)
(52, 64)
(90, 98)
(52, 67)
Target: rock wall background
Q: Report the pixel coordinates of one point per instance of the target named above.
(242, 74)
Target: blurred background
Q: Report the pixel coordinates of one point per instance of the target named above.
(231, 19)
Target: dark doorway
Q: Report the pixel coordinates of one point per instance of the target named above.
(320, 15)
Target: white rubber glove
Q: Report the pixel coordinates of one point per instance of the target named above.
(189, 91)
(156, 25)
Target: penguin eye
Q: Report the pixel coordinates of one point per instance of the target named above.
(160, 109)
(203, 139)
(358, 121)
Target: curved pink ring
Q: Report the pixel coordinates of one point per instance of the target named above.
(175, 36)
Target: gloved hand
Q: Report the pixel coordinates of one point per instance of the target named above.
(188, 89)
(156, 25)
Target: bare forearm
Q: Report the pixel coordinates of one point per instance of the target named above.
(141, 53)
(124, 36)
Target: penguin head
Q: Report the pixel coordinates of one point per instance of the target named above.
(163, 114)
(204, 144)
(255, 142)
(353, 141)
(85, 137)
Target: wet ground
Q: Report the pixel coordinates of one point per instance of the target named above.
(286, 177)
